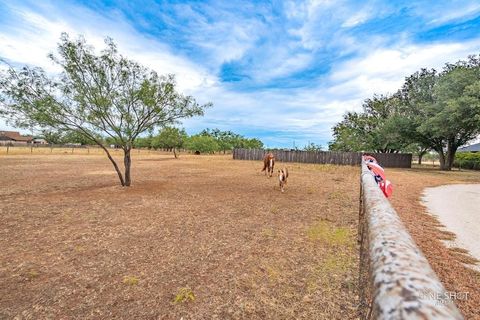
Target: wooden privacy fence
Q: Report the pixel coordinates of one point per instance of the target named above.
(389, 160)
(396, 281)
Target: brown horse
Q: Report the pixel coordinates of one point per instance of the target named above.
(268, 164)
(282, 178)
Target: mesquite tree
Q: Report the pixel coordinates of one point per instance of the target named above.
(170, 138)
(95, 95)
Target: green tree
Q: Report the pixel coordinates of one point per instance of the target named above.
(65, 137)
(247, 143)
(52, 137)
(349, 134)
(312, 147)
(227, 140)
(170, 138)
(444, 109)
(95, 95)
(202, 143)
(373, 129)
(143, 142)
(418, 150)
(78, 138)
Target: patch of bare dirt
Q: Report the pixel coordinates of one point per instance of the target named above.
(198, 237)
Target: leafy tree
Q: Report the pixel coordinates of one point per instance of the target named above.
(78, 138)
(65, 137)
(227, 140)
(418, 150)
(95, 95)
(202, 143)
(374, 129)
(247, 143)
(432, 111)
(170, 138)
(143, 142)
(349, 134)
(52, 137)
(312, 147)
(444, 109)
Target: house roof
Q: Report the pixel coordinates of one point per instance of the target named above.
(14, 135)
(472, 148)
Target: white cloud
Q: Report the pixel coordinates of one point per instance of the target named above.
(356, 19)
(36, 35)
(384, 69)
(456, 10)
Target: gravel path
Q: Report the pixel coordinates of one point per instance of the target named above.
(458, 208)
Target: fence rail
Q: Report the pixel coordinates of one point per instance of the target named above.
(396, 281)
(389, 160)
(19, 149)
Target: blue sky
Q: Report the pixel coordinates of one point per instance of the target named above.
(283, 71)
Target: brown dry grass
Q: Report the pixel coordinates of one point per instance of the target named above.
(449, 264)
(199, 237)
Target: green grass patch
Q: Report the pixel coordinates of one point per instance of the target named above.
(330, 234)
(184, 295)
(130, 280)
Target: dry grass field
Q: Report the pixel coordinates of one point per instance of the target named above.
(201, 237)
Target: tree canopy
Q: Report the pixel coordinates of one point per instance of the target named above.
(170, 138)
(202, 143)
(95, 95)
(432, 110)
(228, 140)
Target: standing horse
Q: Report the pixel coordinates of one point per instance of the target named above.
(268, 164)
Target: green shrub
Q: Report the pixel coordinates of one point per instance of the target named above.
(467, 160)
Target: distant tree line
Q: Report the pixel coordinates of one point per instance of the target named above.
(169, 138)
(207, 141)
(173, 139)
(438, 111)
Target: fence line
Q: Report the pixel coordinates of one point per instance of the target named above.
(396, 280)
(17, 149)
(389, 160)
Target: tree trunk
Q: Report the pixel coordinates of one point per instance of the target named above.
(420, 156)
(175, 153)
(451, 150)
(441, 159)
(127, 160)
(117, 169)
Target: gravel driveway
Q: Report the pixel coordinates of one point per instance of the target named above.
(458, 208)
